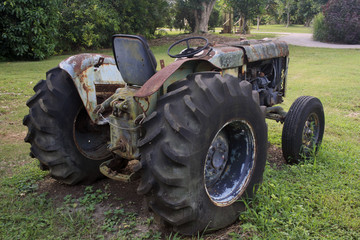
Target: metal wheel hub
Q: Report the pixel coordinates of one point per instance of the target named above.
(216, 158)
(311, 132)
(90, 139)
(229, 162)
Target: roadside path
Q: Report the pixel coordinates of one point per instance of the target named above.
(306, 40)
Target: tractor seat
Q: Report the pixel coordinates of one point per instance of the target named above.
(134, 58)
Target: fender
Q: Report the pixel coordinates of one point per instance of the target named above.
(95, 76)
(173, 72)
(157, 85)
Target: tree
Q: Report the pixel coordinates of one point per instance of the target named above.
(307, 9)
(246, 9)
(90, 24)
(196, 12)
(284, 7)
(86, 25)
(28, 28)
(202, 11)
(263, 6)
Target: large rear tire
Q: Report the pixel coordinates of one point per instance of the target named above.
(203, 151)
(60, 131)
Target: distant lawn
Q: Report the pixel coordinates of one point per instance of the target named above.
(281, 28)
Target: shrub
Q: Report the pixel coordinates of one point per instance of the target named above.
(320, 30)
(86, 25)
(342, 20)
(28, 29)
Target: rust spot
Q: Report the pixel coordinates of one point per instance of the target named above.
(104, 91)
(229, 49)
(77, 60)
(86, 87)
(144, 107)
(158, 79)
(162, 63)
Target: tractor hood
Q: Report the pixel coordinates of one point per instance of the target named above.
(237, 53)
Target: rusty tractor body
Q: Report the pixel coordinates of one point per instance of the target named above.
(194, 131)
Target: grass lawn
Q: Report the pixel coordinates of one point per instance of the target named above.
(281, 28)
(313, 200)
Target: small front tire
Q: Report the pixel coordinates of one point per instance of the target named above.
(303, 129)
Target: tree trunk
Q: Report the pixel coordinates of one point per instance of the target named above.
(258, 18)
(288, 17)
(244, 26)
(202, 16)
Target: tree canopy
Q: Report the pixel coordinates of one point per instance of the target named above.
(36, 29)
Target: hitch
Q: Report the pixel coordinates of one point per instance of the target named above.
(115, 170)
(276, 113)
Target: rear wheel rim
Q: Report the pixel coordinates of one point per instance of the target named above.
(229, 162)
(90, 139)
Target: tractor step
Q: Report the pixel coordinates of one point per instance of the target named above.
(127, 174)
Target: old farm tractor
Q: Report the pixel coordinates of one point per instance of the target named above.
(194, 131)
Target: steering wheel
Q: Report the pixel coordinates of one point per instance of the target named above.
(189, 51)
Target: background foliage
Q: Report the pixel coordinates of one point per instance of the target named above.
(29, 28)
(36, 29)
(339, 22)
(342, 18)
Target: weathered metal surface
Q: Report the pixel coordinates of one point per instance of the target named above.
(229, 162)
(87, 71)
(134, 58)
(231, 71)
(124, 122)
(147, 104)
(276, 113)
(159, 78)
(227, 57)
(262, 50)
(113, 174)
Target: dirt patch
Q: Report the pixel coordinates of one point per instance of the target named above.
(124, 195)
(121, 193)
(11, 137)
(354, 115)
(275, 157)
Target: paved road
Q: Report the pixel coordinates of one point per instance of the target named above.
(305, 39)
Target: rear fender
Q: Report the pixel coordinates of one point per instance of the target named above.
(96, 78)
(157, 85)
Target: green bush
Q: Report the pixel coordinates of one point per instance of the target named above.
(320, 30)
(86, 25)
(35, 29)
(28, 28)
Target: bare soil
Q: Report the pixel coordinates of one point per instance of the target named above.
(124, 195)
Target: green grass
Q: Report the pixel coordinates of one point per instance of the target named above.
(281, 28)
(305, 201)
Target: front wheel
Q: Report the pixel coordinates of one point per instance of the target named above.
(303, 129)
(203, 151)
